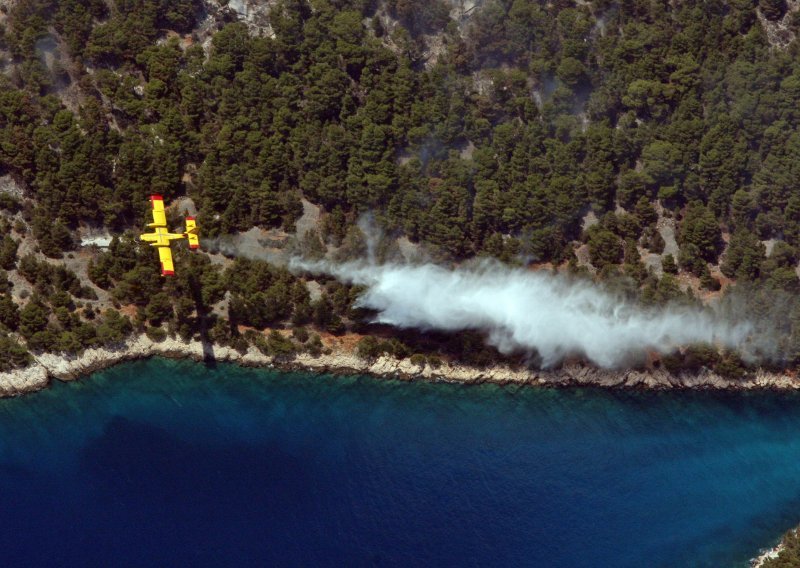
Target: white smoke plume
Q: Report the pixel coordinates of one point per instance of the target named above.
(542, 314)
(245, 245)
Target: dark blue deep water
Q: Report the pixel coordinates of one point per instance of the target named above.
(163, 463)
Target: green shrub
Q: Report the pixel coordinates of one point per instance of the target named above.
(418, 359)
(435, 361)
(300, 334)
(156, 334)
(12, 354)
(669, 265)
(314, 345)
(369, 348)
(278, 345)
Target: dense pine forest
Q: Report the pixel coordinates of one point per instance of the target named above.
(563, 135)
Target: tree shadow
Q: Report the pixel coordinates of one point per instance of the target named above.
(209, 357)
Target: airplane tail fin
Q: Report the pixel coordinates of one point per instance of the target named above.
(192, 233)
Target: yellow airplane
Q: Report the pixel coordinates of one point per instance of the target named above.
(161, 237)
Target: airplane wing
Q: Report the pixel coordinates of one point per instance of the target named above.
(159, 216)
(191, 233)
(165, 256)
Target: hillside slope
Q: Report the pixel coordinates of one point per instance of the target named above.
(651, 147)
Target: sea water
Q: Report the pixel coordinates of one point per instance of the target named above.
(163, 463)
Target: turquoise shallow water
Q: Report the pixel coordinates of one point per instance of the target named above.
(165, 463)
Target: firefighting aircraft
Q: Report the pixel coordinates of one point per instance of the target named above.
(161, 237)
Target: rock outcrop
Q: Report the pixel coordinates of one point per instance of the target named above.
(30, 379)
(66, 368)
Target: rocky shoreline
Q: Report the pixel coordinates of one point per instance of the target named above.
(779, 554)
(769, 554)
(68, 367)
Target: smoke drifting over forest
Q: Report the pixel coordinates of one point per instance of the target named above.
(535, 312)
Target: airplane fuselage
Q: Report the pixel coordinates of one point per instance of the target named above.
(161, 237)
